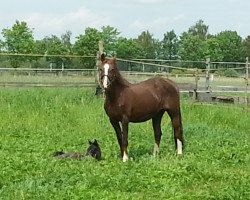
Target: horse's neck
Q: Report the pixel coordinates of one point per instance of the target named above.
(116, 88)
(112, 93)
(120, 80)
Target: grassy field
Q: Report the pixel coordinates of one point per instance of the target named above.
(36, 122)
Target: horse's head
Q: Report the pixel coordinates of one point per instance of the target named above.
(94, 150)
(107, 71)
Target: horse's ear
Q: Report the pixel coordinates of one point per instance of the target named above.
(95, 142)
(114, 60)
(103, 57)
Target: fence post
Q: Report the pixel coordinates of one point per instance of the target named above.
(196, 84)
(246, 80)
(208, 63)
(50, 66)
(98, 56)
(98, 90)
(62, 68)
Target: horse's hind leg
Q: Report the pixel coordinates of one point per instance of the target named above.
(175, 116)
(157, 131)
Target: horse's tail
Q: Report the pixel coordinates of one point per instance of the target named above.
(181, 127)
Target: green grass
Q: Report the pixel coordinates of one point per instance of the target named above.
(36, 122)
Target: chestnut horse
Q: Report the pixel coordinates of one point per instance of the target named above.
(126, 102)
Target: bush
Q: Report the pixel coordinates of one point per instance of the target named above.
(178, 71)
(227, 72)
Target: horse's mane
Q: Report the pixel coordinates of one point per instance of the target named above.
(119, 78)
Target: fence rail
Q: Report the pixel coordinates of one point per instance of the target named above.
(80, 71)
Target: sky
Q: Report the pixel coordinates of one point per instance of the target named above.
(130, 17)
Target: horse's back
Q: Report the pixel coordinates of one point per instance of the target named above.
(164, 90)
(160, 86)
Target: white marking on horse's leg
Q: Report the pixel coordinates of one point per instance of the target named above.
(106, 70)
(125, 157)
(179, 147)
(156, 150)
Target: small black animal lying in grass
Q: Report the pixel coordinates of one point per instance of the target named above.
(93, 150)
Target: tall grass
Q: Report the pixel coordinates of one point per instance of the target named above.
(36, 122)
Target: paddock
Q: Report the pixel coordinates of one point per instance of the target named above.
(37, 121)
(45, 109)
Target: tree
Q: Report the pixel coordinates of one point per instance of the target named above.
(213, 49)
(18, 39)
(169, 46)
(109, 36)
(192, 48)
(199, 29)
(127, 48)
(66, 41)
(87, 45)
(231, 46)
(246, 46)
(149, 45)
(1, 45)
(53, 46)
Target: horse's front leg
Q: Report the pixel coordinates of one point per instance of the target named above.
(118, 132)
(125, 140)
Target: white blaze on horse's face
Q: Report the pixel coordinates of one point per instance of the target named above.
(106, 71)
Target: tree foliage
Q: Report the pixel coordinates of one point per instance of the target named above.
(192, 48)
(200, 29)
(231, 46)
(195, 44)
(110, 37)
(53, 45)
(18, 39)
(128, 48)
(87, 43)
(246, 46)
(213, 49)
(148, 44)
(66, 41)
(169, 46)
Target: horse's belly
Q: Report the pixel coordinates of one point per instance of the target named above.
(142, 115)
(145, 107)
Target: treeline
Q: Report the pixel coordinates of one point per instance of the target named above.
(194, 44)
